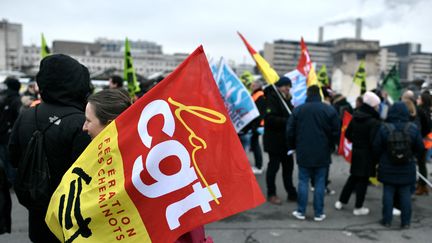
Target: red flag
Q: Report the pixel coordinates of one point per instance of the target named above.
(168, 164)
(345, 146)
(305, 64)
(192, 167)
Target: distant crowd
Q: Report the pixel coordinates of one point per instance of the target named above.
(390, 140)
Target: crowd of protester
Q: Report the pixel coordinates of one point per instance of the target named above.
(313, 129)
(306, 135)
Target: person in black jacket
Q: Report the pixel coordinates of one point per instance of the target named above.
(10, 104)
(277, 112)
(361, 132)
(423, 111)
(398, 179)
(64, 85)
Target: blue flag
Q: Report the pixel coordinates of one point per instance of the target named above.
(299, 87)
(239, 103)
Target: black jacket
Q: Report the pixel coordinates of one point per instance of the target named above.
(361, 132)
(275, 120)
(313, 130)
(10, 104)
(63, 142)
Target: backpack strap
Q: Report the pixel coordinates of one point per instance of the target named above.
(51, 123)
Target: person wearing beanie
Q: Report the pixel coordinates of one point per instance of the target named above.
(361, 132)
(341, 105)
(313, 131)
(64, 85)
(277, 98)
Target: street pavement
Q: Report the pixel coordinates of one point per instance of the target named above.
(274, 224)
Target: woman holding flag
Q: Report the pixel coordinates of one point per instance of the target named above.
(102, 108)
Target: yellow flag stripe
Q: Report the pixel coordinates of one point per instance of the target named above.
(105, 205)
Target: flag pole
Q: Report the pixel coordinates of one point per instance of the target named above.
(281, 98)
(424, 179)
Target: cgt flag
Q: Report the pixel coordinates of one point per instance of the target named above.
(129, 72)
(345, 146)
(168, 164)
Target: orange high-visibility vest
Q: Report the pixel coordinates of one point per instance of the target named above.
(427, 141)
(255, 97)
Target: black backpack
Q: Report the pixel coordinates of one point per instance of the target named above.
(32, 185)
(399, 144)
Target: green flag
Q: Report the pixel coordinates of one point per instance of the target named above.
(360, 77)
(391, 84)
(45, 51)
(323, 77)
(129, 72)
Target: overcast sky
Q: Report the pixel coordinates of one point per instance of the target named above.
(182, 25)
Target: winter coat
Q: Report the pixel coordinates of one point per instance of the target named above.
(313, 130)
(10, 104)
(63, 142)
(361, 132)
(389, 172)
(424, 120)
(275, 120)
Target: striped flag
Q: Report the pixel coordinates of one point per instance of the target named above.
(266, 70)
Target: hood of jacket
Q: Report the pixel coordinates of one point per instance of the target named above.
(398, 112)
(63, 80)
(365, 112)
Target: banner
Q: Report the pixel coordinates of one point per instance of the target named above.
(345, 146)
(238, 101)
(268, 73)
(129, 72)
(168, 164)
(299, 87)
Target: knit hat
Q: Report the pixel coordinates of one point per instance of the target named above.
(371, 99)
(283, 81)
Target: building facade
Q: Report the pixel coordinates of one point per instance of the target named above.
(108, 55)
(283, 55)
(10, 45)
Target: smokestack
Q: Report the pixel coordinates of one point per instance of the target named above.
(358, 28)
(320, 34)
